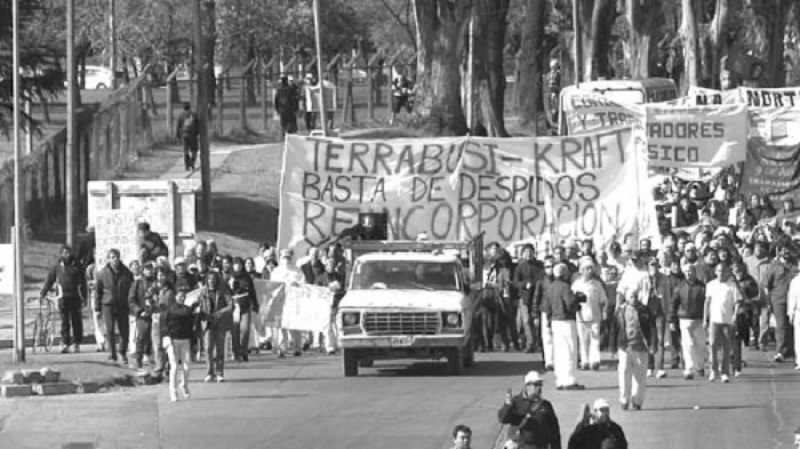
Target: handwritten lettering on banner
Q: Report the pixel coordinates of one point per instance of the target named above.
(271, 297)
(591, 111)
(455, 188)
(307, 308)
(696, 136)
(758, 98)
(6, 269)
(116, 229)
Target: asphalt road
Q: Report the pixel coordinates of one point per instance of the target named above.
(305, 402)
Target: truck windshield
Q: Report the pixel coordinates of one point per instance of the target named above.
(404, 275)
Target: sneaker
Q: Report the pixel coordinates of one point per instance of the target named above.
(778, 358)
(724, 378)
(637, 406)
(125, 360)
(208, 379)
(688, 375)
(701, 372)
(173, 396)
(712, 377)
(76, 348)
(220, 379)
(649, 373)
(737, 373)
(281, 354)
(585, 367)
(623, 405)
(595, 366)
(186, 393)
(298, 353)
(661, 374)
(549, 368)
(64, 349)
(332, 352)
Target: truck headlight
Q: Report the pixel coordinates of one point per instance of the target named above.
(350, 318)
(451, 319)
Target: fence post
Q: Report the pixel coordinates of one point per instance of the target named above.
(170, 96)
(243, 97)
(371, 86)
(220, 129)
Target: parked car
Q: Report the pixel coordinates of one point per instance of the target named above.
(98, 77)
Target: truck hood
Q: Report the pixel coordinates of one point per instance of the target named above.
(403, 299)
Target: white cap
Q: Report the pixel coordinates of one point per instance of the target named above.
(179, 261)
(600, 403)
(533, 377)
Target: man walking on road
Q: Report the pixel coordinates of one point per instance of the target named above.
(540, 297)
(142, 302)
(793, 311)
(776, 284)
(532, 419)
(561, 308)
(688, 302)
(286, 107)
(69, 274)
(216, 310)
(632, 335)
(590, 314)
(112, 286)
(721, 298)
(188, 131)
(526, 276)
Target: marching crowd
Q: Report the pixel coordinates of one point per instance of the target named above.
(170, 313)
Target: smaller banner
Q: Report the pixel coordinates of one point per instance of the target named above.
(307, 308)
(271, 296)
(116, 229)
(777, 127)
(695, 136)
(770, 99)
(6, 269)
(772, 170)
(591, 111)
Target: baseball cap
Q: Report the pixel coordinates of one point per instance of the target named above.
(179, 261)
(600, 403)
(533, 378)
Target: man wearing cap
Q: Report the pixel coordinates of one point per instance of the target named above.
(590, 315)
(287, 272)
(532, 419)
(561, 308)
(526, 276)
(597, 430)
(541, 297)
(776, 285)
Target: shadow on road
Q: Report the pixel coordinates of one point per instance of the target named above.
(249, 396)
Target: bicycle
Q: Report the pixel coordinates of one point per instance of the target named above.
(44, 326)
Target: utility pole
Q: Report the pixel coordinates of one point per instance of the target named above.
(69, 191)
(202, 111)
(322, 112)
(578, 42)
(112, 30)
(19, 259)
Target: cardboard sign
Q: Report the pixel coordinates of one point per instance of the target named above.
(588, 186)
(116, 229)
(590, 111)
(307, 308)
(6, 269)
(695, 136)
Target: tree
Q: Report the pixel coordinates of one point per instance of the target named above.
(688, 32)
(41, 50)
(441, 30)
(489, 28)
(641, 15)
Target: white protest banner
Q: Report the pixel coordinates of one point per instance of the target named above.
(591, 111)
(695, 136)
(702, 96)
(307, 308)
(116, 229)
(6, 269)
(271, 296)
(775, 127)
(770, 99)
(456, 188)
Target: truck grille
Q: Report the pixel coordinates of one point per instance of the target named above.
(404, 323)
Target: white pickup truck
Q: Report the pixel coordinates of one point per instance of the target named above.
(415, 302)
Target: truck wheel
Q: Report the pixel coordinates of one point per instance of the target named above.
(350, 362)
(455, 361)
(469, 355)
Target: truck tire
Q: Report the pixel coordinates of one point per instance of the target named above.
(469, 356)
(455, 361)
(350, 362)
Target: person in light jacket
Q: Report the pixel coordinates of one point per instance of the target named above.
(632, 337)
(590, 315)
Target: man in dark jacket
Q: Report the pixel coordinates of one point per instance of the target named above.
(776, 285)
(188, 131)
(632, 337)
(688, 301)
(543, 321)
(216, 309)
(532, 419)
(111, 296)
(527, 274)
(561, 307)
(142, 303)
(69, 274)
(597, 430)
(286, 102)
(313, 267)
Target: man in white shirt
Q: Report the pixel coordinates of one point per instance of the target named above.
(721, 298)
(590, 314)
(793, 310)
(287, 272)
(634, 279)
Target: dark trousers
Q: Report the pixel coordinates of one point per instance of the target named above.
(486, 321)
(144, 343)
(310, 119)
(507, 323)
(663, 335)
(71, 321)
(189, 151)
(116, 319)
(783, 330)
(215, 351)
(240, 335)
(288, 123)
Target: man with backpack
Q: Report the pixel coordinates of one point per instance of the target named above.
(286, 99)
(187, 131)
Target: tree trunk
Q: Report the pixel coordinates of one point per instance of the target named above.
(530, 64)
(210, 44)
(688, 33)
(775, 16)
(444, 30)
(489, 28)
(640, 15)
(603, 16)
(718, 34)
